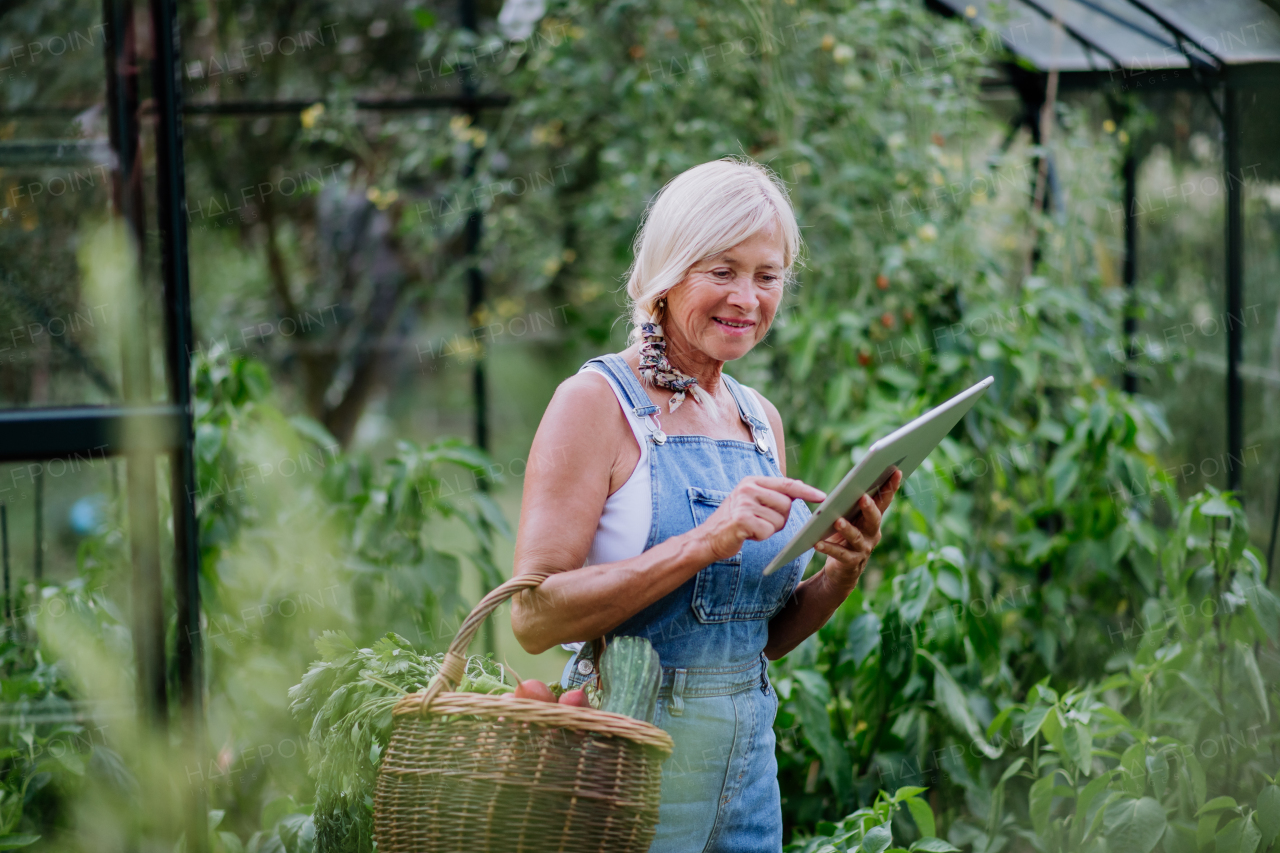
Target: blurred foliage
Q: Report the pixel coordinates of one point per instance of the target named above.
(1051, 640)
(345, 701)
(297, 538)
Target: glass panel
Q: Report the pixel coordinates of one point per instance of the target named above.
(69, 709)
(69, 296)
(1261, 368)
(1181, 267)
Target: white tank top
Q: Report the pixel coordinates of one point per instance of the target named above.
(623, 529)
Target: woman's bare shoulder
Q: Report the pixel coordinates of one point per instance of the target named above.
(585, 412)
(585, 392)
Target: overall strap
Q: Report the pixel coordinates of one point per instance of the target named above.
(751, 412)
(619, 373)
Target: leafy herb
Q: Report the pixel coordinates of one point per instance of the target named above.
(345, 699)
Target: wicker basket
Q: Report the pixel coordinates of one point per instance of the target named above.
(471, 772)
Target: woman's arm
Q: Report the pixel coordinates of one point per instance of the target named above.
(847, 550)
(582, 439)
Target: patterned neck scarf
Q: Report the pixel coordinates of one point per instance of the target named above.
(656, 368)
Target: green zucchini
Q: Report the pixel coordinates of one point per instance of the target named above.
(630, 674)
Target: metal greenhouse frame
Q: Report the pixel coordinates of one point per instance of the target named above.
(1218, 48)
(140, 430)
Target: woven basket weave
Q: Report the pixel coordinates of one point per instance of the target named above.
(471, 772)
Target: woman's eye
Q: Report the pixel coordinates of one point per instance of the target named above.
(722, 274)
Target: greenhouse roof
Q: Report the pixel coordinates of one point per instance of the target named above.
(1131, 35)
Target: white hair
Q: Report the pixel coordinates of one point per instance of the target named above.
(699, 213)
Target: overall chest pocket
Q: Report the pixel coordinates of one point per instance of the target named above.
(734, 589)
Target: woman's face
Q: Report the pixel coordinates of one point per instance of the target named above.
(725, 303)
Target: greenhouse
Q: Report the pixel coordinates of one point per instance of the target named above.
(369, 479)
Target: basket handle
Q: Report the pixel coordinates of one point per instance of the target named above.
(454, 665)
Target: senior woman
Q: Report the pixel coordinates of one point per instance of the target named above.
(657, 493)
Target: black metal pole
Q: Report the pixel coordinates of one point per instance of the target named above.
(37, 567)
(4, 546)
(1130, 268)
(1271, 547)
(146, 591)
(475, 288)
(122, 112)
(1235, 289)
(171, 217)
(475, 279)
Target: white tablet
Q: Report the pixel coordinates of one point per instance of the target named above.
(903, 449)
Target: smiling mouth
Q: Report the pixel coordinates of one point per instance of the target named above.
(734, 324)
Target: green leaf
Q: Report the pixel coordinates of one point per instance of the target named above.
(230, 843)
(917, 587)
(1158, 772)
(1010, 770)
(1102, 814)
(1134, 770)
(1099, 419)
(1064, 480)
(208, 443)
(1250, 665)
(1033, 720)
(1079, 743)
(1064, 470)
(1269, 814)
(1045, 693)
(1228, 838)
(877, 839)
(923, 816)
(1217, 804)
(492, 513)
(1052, 730)
(934, 845)
(907, 792)
(953, 704)
(952, 555)
(1138, 826)
(1250, 835)
(863, 639)
(1191, 768)
(72, 761)
(1040, 802)
(13, 842)
(424, 19)
(1090, 793)
(810, 704)
(315, 431)
(1215, 507)
(998, 723)
(1205, 829)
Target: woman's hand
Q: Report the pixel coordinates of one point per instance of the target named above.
(756, 509)
(849, 547)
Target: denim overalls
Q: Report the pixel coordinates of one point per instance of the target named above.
(720, 785)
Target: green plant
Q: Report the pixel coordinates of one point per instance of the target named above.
(345, 701)
(870, 829)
